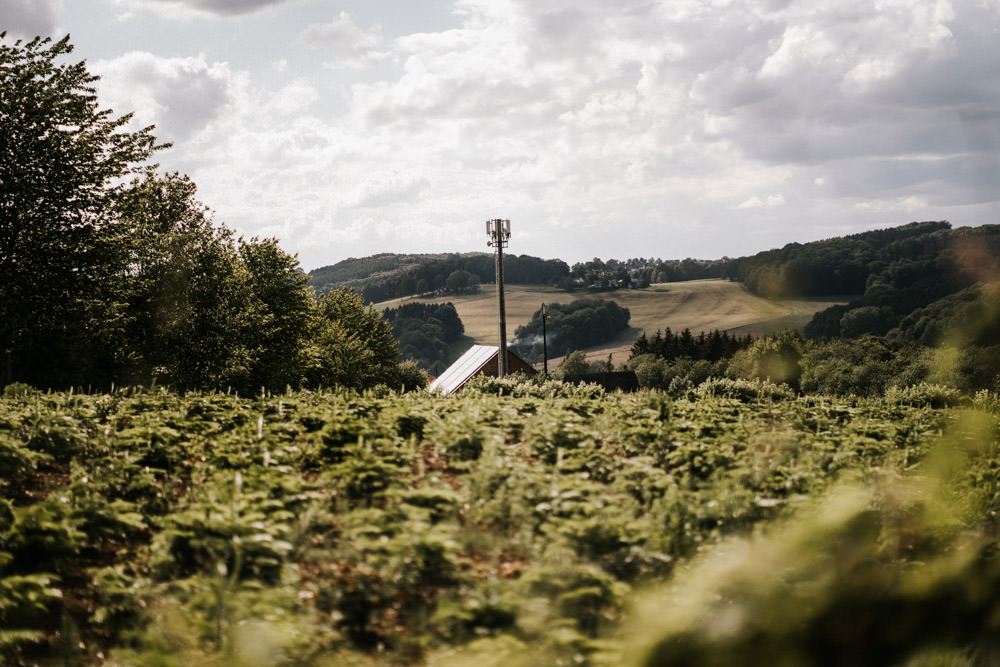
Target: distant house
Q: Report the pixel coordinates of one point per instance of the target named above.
(477, 360)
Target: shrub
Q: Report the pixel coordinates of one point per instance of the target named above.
(743, 390)
(19, 390)
(924, 395)
(775, 358)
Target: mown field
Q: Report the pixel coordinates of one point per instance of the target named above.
(698, 305)
(550, 525)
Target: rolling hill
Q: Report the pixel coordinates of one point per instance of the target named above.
(699, 305)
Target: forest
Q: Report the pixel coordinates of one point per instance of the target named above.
(890, 275)
(390, 276)
(580, 324)
(426, 333)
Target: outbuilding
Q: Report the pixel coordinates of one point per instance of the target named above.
(477, 360)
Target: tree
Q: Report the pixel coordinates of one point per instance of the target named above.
(461, 281)
(60, 160)
(354, 345)
(575, 363)
(282, 313)
(193, 317)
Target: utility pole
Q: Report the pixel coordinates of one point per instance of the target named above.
(545, 347)
(498, 230)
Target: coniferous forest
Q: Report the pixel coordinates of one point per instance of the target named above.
(209, 458)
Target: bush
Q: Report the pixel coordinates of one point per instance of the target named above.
(775, 358)
(19, 390)
(863, 367)
(524, 386)
(924, 395)
(743, 390)
(411, 376)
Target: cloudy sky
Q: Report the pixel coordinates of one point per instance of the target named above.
(601, 128)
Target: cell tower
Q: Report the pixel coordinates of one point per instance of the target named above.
(498, 231)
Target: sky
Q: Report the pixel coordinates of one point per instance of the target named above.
(600, 128)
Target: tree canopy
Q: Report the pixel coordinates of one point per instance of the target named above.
(574, 326)
(62, 160)
(426, 333)
(110, 272)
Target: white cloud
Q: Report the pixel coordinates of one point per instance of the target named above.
(670, 121)
(349, 44)
(907, 205)
(179, 95)
(25, 19)
(772, 201)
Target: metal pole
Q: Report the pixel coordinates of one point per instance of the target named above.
(545, 346)
(502, 367)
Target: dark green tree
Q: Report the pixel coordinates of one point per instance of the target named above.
(462, 281)
(193, 318)
(61, 157)
(353, 344)
(280, 322)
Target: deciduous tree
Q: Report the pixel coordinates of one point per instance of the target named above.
(61, 159)
(354, 345)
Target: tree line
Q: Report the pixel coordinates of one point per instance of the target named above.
(838, 266)
(426, 333)
(389, 276)
(711, 346)
(867, 366)
(642, 272)
(113, 273)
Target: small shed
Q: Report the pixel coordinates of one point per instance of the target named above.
(477, 360)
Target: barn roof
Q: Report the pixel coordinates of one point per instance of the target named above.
(464, 368)
(472, 363)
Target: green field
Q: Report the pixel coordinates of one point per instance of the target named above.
(553, 525)
(698, 305)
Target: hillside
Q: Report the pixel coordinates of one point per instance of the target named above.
(896, 272)
(388, 276)
(354, 270)
(699, 305)
(907, 282)
(873, 283)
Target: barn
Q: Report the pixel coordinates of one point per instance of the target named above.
(477, 360)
